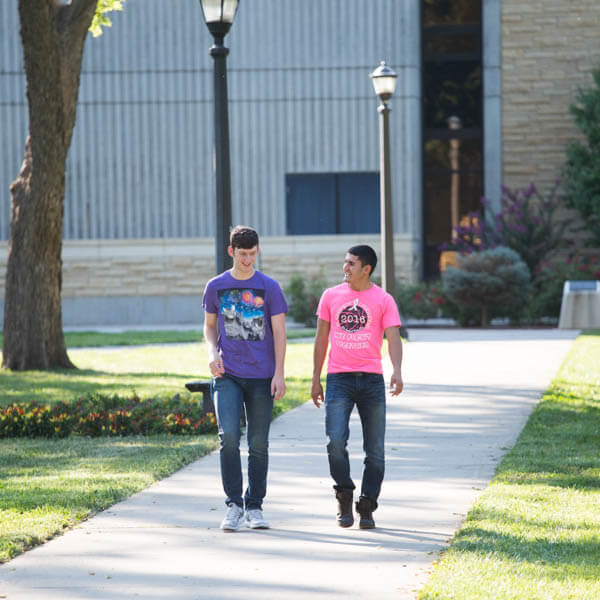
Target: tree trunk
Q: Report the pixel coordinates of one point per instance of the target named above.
(53, 36)
(484, 316)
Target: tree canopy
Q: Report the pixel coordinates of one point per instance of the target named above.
(582, 167)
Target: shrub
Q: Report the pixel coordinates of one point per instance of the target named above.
(304, 297)
(465, 315)
(492, 279)
(582, 168)
(528, 222)
(420, 301)
(549, 280)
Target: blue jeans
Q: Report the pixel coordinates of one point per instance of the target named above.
(230, 393)
(367, 392)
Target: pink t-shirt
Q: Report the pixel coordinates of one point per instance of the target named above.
(357, 322)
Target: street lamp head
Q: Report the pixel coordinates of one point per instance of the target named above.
(384, 81)
(454, 122)
(219, 15)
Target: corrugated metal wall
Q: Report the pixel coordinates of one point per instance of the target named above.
(301, 100)
(13, 115)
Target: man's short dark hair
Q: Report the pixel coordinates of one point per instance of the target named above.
(242, 236)
(366, 255)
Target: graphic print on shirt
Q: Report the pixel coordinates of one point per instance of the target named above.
(243, 313)
(353, 319)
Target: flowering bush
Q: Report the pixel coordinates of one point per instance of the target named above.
(528, 223)
(423, 301)
(97, 415)
(549, 280)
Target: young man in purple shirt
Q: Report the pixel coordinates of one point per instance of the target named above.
(244, 329)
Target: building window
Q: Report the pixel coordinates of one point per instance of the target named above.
(320, 203)
(452, 120)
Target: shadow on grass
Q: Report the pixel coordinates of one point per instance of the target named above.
(76, 499)
(54, 386)
(498, 515)
(17, 455)
(559, 447)
(566, 477)
(582, 556)
(79, 474)
(64, 384)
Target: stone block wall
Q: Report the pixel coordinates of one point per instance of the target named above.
(549, 48)
(139, 282)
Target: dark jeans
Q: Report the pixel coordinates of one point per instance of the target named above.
(255, 394)
(367, 392)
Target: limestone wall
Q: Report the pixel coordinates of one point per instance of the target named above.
(161, 281)
(549, 48)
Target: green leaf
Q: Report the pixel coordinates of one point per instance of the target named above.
(100, 19)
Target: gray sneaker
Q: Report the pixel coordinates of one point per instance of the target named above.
(255, 520)
(233, 519)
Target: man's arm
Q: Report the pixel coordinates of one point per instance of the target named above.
(394, 340)
(279, 345)
(211, 336)
(319, 352)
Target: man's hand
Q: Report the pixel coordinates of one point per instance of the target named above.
(216, 367)
(316, 393)
(396, 383)
(277, 387)
(394, 340)
(319, 352)
(215, 360)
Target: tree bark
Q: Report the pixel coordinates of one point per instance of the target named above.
(484, 316)
(53, 35)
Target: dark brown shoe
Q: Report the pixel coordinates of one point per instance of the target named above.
(365, 508)
(344, 514)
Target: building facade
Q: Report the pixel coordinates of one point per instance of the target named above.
(482, 99)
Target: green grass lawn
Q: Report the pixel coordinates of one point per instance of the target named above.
(91, 339)
(534, 534)
(48, 485)
(148, 370)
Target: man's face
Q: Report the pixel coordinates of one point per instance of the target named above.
(354, 272)
(244, 258)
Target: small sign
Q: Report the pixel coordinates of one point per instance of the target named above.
(582, 286)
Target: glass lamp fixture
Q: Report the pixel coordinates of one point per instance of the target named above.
(384, 81)
(219, 15)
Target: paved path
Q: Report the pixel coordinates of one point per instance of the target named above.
(468, 394)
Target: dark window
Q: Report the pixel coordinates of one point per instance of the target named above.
(456, 12)
(332, 203)
(452, 120)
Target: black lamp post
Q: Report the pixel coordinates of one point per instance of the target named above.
(384, 83)
(454, 124)
(219, 15)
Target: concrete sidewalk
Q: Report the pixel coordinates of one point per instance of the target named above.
(468, 394)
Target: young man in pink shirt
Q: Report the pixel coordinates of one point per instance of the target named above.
(353, 317)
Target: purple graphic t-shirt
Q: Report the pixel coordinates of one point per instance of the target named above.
(244, 308)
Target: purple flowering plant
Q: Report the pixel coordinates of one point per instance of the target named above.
(528, 222)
